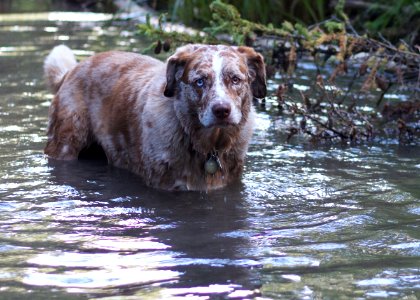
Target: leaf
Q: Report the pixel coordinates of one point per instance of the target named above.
(333, 27)
(302, 30)
(288, 27)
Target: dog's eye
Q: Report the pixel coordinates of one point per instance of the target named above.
(235, 80)
(199, 82)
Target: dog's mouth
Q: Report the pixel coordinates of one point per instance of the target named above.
(224, 124)
(221, 124)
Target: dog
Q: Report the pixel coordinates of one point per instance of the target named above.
(181, 125)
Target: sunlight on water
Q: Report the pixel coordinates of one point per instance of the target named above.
(122, 244)
(16, 51)
(214, 289)
(55, 17)
(99, 279)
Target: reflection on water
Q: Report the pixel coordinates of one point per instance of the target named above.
(306, 222)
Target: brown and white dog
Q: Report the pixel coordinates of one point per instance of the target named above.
(181, 125)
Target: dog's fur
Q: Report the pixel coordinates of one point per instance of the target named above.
(159, 120)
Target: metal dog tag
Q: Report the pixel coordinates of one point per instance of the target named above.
(213, 164)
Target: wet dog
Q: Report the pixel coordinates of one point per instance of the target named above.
(181, 125)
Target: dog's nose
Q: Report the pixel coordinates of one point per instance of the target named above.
(221, 110)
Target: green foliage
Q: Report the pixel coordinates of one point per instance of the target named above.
(302, 30)
(198, 12)
(394, 20)
(396, 14)
(170, 38)
(191, 12)
(225, 19)
(339, 10)
(391, 19)
(334, 26)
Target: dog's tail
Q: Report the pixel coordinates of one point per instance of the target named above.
(57, 64)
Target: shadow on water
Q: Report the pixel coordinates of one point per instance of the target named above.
(306, 222)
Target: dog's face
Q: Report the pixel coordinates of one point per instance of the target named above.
(215, 84)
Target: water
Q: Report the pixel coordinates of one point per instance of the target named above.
(305, 223)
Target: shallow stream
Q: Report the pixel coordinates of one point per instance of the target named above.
(305, 223)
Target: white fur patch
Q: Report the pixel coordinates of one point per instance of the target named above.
(217, 66)
(207, 117)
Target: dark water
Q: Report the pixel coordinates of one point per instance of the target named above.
(306, 222)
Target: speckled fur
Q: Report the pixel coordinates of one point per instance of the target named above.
(151, 117)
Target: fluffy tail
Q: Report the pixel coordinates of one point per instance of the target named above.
(57, 64)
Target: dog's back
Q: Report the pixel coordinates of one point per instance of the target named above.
(97, 96)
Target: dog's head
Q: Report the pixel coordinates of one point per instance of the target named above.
(215, 83)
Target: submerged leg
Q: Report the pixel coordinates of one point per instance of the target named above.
(68, 130)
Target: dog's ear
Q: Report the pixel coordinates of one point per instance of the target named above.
(256, 68)
(175, 69)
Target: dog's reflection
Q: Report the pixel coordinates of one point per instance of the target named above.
(208, 231)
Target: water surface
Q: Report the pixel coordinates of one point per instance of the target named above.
(306, 222)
